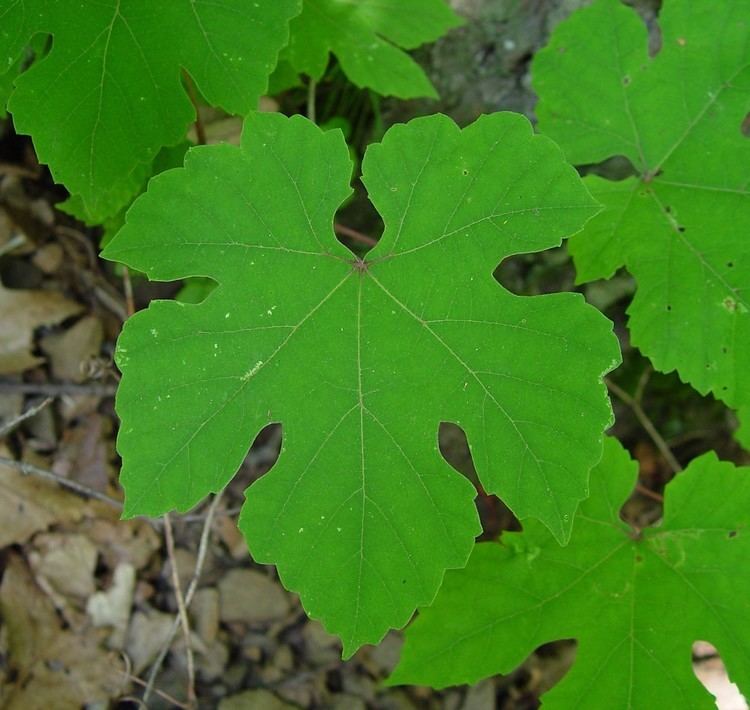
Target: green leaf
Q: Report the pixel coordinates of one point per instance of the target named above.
(368, 38)
(108, 96)
(634, 600)
(361, 360)
(680, 226)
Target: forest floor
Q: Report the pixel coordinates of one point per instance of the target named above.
(88, 609)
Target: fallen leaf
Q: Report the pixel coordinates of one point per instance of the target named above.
(29, 505)
(70, 350)
(67, 561)
(53, 668)
(21, 312)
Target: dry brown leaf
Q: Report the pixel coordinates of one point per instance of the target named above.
(85, 453)
(70, 350)
(67, 561)
(21, 312)
(53, 668)
(131, 541)
(29, 504)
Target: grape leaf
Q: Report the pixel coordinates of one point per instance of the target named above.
(366, 37)
(635, 600)
(680, 226)
(108, 95)
(361, 359)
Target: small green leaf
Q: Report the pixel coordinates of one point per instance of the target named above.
(681, 225)
(360, 360)
(108, 95)
(366, 37)
(634, 600)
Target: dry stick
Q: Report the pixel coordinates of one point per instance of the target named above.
(58, 389)
(182, 610)
(160, 693)
(28, 469)
(30, 412)
(192, 587)
(354, 234)
(647, 424)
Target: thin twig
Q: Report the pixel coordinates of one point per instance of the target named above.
(192, 587)
(649, 493)
(647, 424)
(30, 412)
(640, 388)
(127, 287)
(165, 696)
(28, 469)
(182, 609)
(58, 389)
(311, 87)
(354, 234)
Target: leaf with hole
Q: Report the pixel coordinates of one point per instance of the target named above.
(361, 359)
(123, 58)
(635, 600)
(680, 225)
(368, 38)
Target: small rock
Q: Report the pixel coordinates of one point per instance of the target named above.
(480, 696)
(254, 700)
(112, 608)
(321, 648)
(146, 636)
(386, 654)
(205, 613)
(249, 596)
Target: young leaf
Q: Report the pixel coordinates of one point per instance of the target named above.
(680, 226)
(108, 95)
(360, 360)
(366, 37)
(635, 600)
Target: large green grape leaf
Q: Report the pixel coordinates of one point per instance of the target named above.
(367, 37)
(360, 360)
(681, 225)
(635, 600)
(108, 95)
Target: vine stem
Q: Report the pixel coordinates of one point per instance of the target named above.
(312, 85)
(647, 424)
(189, 594)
